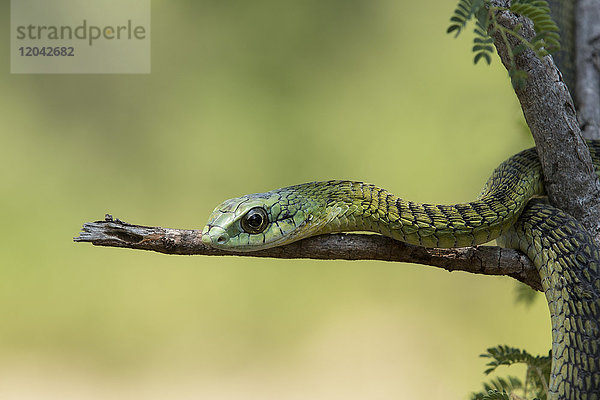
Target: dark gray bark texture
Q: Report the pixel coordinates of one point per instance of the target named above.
(549, 110)
(486, 260)
(587, 43)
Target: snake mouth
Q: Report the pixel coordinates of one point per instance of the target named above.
(214, 236)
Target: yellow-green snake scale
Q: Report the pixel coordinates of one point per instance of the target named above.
(561, 249)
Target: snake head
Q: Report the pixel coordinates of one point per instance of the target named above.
(262, 220)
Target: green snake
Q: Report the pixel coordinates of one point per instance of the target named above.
(507, 209)
(561, 249)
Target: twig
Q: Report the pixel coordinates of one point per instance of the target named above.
(486, 260)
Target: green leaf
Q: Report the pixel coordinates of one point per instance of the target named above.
(518, 49)
(524, 294)
(484, 55)
(534, 384)
(518, 78)
(546, 41)
(488, 40)
(480, 47)
(453, 28)
(461, 13)
(480, 32)
(496, 395)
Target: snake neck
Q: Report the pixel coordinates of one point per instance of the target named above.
(357, 206)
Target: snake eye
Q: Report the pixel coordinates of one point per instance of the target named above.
(255, 220)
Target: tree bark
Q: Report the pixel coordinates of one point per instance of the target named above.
(587, 93)
(486, 260)
(570, 180)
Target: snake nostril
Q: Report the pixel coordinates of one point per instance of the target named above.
(221, 239)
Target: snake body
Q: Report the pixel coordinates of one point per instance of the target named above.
(565, 255)
(563, 252)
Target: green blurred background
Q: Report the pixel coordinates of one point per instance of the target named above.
(247, 96)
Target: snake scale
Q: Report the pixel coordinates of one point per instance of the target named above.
(508, 210)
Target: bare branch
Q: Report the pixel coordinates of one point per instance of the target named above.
(570, 180)
(486, 260)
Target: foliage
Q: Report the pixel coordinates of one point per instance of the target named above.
(492, 394)
(525, 294)
(543, 43)
(536, 375)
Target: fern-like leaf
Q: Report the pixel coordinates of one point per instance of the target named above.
(536, 379)
(492, 395)
(508, 385)
(546, 40)
(506, 355)
(518, 77)
(523, 293)
(483, 55)
(482, 42)
(462, 14)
